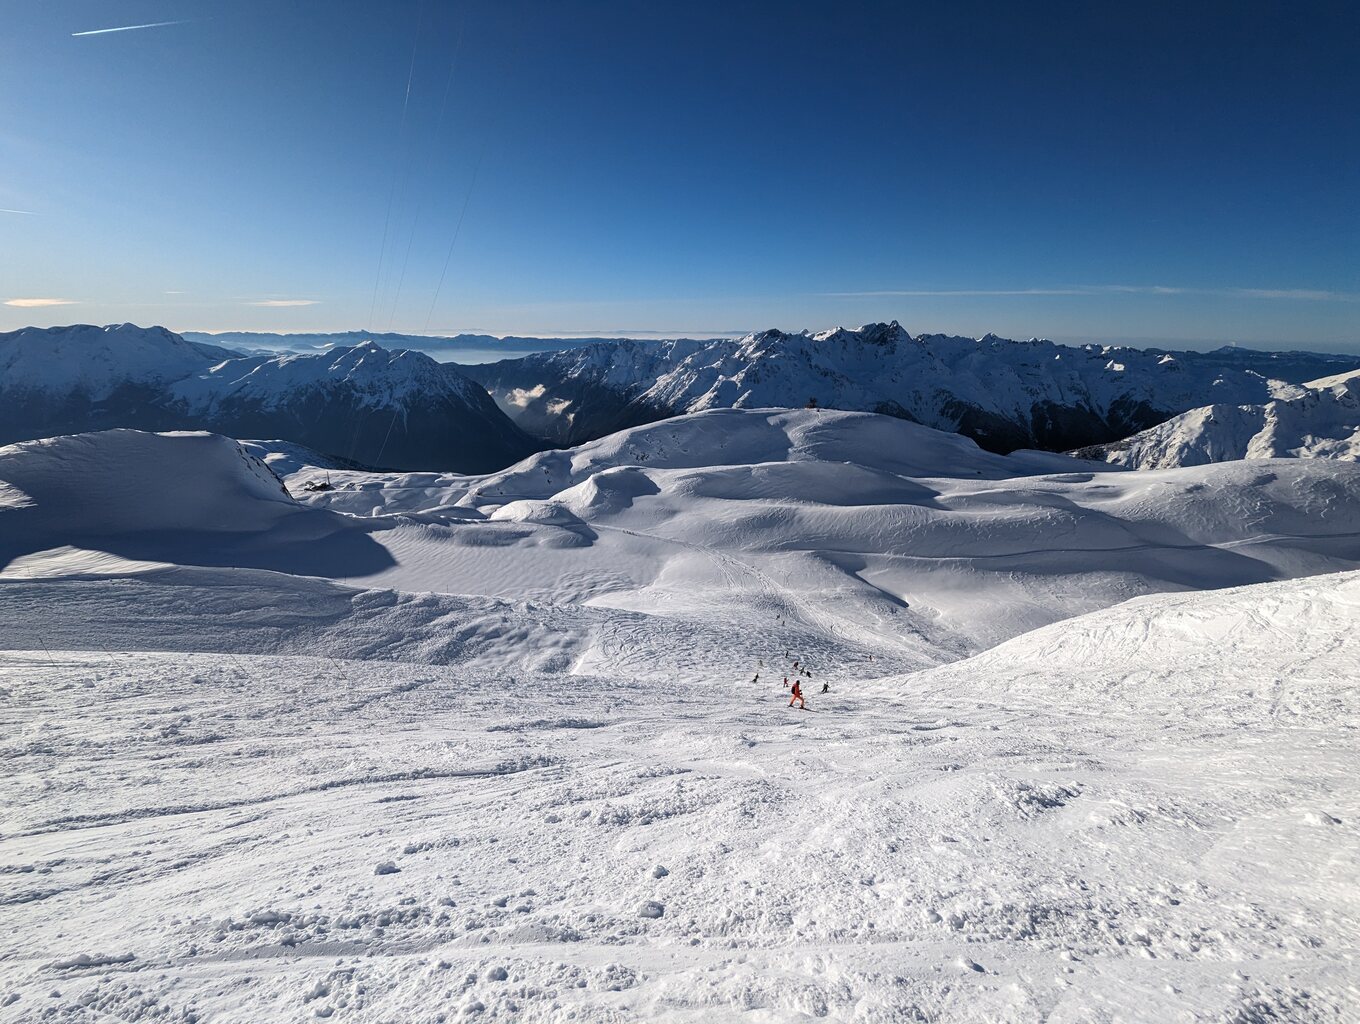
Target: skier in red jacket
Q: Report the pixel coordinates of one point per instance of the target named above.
(797, 696)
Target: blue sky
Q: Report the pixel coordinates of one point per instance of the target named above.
(1102, 171)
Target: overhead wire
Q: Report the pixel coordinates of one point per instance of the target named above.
(415, 220)
(396, 174)
(454, 240)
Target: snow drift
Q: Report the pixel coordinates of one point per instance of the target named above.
(856, 526)
(176, 498)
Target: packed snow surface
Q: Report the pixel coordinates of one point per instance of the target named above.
(517, 747)
(1321, 422)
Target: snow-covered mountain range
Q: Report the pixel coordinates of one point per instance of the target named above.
(401, 410)
(1320, 420)
(1003, 394)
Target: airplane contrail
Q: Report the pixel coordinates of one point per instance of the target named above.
(127, 28)
(23, 213)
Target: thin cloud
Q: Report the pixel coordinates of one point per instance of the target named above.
(1305, 294)
(1296, 294)
(21, 213)
(951, 292)
(37, 303)
(127, 28)
(284, 302)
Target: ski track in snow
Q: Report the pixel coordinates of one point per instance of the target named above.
(224, 819)
(242, 794)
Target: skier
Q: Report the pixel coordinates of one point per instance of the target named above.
(826, 687)
(786, 682)
(757, 678)
(797, 696)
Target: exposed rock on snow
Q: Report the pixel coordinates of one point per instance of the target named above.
(1321, 421)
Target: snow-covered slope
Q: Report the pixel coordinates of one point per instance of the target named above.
(1144, 815)
(1169, 647)
(363, 404)
(555, 774)
(1323, 421)
(287, 457)
(125, 499)
(1004, 394)
(837, 531)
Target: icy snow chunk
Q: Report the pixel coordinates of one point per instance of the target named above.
(659, 872)
(97, 960)
(498, 974)
(651, 909)
(386, 868)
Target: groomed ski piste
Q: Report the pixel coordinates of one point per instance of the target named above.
(422, 747)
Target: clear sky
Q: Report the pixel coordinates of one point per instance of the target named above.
(1181, 172)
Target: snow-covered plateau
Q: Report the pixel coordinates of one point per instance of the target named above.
(426, 747)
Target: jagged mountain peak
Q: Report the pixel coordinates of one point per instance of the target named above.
(1002, 393)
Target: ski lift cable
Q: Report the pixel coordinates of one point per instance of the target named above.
(396, 174)
(415, 220)
(454, 240)
(377, 463)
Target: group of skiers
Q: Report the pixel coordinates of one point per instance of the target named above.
(795, 687)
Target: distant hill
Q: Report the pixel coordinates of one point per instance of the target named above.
(460, 347)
